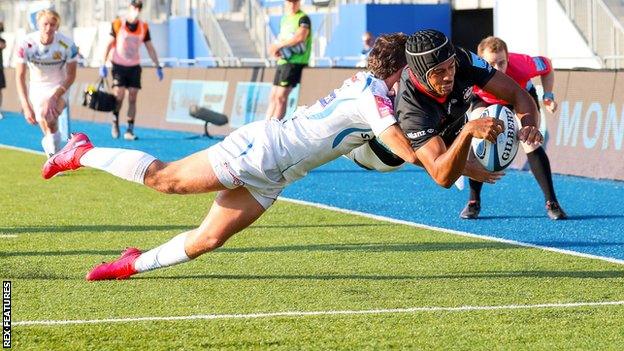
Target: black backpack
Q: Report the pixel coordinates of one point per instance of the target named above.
(99, 99)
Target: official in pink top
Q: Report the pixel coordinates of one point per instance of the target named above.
(520, 68)
(127, 35)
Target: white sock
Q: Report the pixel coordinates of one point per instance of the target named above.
(167, 254)
(126, 164)
(56, 137)
(47, 142)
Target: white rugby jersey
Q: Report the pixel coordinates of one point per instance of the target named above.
(46, 63)
(333, 126)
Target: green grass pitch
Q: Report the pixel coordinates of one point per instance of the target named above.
(295, 258)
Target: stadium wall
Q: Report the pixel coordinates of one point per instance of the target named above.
(584, 138)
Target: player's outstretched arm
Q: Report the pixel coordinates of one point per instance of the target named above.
(446, 165)
(395, 139)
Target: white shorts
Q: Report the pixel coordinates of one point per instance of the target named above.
(38, 95)
(245, 158)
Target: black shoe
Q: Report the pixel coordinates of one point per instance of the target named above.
(554, 211)
(471, 211)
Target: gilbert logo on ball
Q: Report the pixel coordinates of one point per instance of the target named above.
(497, 156)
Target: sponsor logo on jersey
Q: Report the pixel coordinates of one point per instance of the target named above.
(327, 99)
(420, 133)
(57, 55)
(384, 106)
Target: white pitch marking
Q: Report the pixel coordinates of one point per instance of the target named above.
(319, 313)
(5, 236)
(451, 231)
(30, 151)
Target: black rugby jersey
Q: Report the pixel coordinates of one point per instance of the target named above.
(423, 116)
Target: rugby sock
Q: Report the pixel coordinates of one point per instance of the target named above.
(56, 137)
(131, 126)
(116, 113)
(167, 254)
(540, 166)
(126, 164)
(475, 190)
(47, 142)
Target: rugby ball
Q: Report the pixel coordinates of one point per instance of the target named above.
(497, 156)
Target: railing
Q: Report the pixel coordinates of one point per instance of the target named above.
(212, 30)
(257, 22)
(601, 29)
(216, 61)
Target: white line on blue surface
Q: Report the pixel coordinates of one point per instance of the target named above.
(451, 231)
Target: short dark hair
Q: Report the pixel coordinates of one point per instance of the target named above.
(387, 55)
(492, 43)
(137, 3)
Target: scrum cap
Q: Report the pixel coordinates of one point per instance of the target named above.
(424, 50)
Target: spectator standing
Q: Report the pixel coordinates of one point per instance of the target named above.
(127, 35)
(293, 48)
(367, 44)
(2, 80)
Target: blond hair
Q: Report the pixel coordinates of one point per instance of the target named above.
(49, 13)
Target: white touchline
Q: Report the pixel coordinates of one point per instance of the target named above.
(319, 313)
(4, 236)
(451, 231)
(30, 151)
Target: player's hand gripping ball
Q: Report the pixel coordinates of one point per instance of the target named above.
(497, 156)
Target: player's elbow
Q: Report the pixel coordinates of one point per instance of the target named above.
(444, 181)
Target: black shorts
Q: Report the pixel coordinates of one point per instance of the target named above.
(288, 75)
(128, 77)
(2, 81)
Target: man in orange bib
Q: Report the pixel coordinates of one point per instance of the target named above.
(127, 35)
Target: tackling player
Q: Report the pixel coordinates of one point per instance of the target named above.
(521, 68)
(251, 166)
(51, 59)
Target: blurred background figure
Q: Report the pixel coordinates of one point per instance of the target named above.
(127, 35)
(292, 49)
(50, 59)
(367, 44)
(2, 80)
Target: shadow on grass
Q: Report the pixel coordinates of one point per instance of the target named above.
(361, 247)
(466, 275)
(146, 228)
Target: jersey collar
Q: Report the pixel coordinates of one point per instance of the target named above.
(419, 87)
